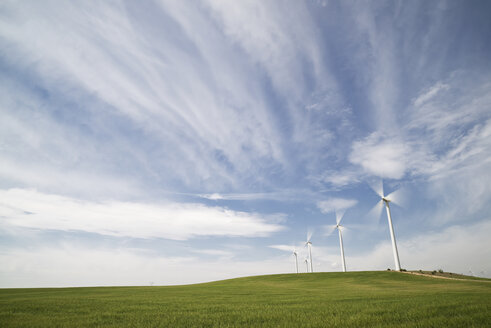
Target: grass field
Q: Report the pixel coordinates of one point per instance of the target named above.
(353, 299)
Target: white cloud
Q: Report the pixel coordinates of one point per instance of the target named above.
(442, 139)
(380, 155)
(214, 196)
(336, 204)
(284, 195)
(32, 209)
(339, 178)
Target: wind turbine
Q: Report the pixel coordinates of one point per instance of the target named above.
(339, 227)
(307, 264)
(296, 259)
(309, 245)
(385, 200)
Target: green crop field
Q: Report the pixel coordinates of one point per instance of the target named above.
(353, 299)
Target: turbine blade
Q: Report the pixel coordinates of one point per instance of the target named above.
(339, 215)
(310, 232)
(378, 187)
(376, 212)
(329, 229)
(398, 197)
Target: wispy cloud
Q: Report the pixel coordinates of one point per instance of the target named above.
(35, 210)
(283, 195)
(179, 89)
(137, 85)
(430, 93)
(336, 204)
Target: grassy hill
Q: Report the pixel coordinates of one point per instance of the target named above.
(356, 299)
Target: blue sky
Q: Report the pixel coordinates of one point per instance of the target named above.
(177, 142)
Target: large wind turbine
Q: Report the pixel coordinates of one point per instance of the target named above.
(339, 227)
(385, 200)
(296, 259)
(309, 245)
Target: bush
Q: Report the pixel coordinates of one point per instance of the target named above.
(403, 270)
(433, 272)
(388, 269)
(420, 271)
(440, 270)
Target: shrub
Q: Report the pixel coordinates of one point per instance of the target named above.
(388, 269)
(440, 270)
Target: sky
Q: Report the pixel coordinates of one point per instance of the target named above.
(175, 142)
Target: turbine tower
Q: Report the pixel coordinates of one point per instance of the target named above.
(339, 227)
(307, 264)
(296, 259)
(392, 235)
(309, 245)
(385, 200)
(339, 217)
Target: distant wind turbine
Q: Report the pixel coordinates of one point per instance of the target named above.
(309, 245)
(385, 200)
(296, 259)
(339, 227)
(307, 264)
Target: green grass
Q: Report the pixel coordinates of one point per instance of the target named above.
(353, 299)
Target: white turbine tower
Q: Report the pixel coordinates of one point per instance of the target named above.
(309, 245)
(339, 227)
(296, 259)
(307, 264)
(385, 200)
